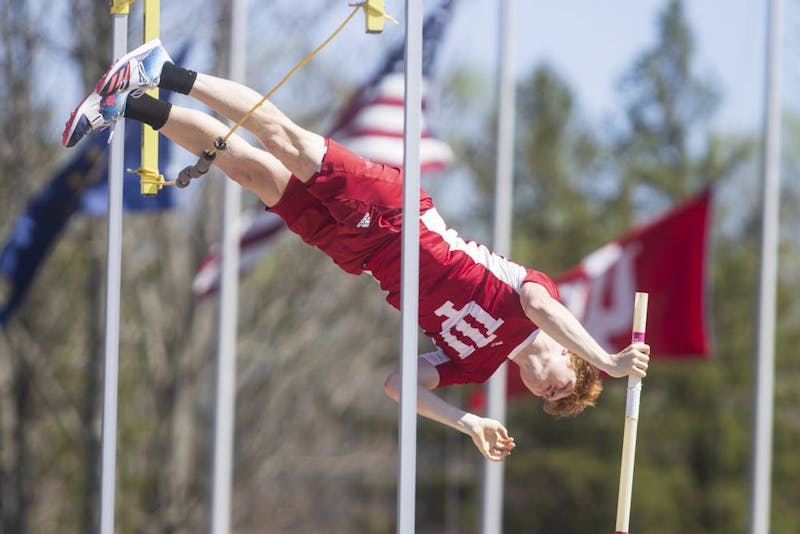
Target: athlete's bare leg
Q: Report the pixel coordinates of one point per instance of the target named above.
(300, 150)
(251, 167)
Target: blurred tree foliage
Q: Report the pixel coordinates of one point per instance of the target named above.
(315, 436)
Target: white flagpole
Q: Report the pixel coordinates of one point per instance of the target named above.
(409, 297)
(765, 328)
(225, 400)
(116, 163)
(493, 473)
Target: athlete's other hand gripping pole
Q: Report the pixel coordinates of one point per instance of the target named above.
(631, 421)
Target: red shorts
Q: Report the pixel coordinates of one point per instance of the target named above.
(350, 209)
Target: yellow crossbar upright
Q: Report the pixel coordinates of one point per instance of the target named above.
(152, 30)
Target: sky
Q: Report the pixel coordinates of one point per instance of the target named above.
(592, 43)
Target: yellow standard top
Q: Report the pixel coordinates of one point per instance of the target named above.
(375, 15)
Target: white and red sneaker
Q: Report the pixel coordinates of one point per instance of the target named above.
(139, 70)
(95, 113)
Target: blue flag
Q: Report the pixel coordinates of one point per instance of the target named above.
(94, 201)
(81, 185)
(44, 218)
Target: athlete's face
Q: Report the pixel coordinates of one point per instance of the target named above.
(549, 374)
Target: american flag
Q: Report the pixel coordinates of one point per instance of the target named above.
(370, 125)
(257, 232)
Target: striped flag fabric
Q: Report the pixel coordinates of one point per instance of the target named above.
(258, 230)
(376, 131)
(370, 125)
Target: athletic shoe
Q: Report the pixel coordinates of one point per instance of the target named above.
(139, 70)
(95, 113)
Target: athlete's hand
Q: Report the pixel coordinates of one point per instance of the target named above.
(631, 361)
(492, 439)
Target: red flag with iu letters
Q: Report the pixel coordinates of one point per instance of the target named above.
(665, 258)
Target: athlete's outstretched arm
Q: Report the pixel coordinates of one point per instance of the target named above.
(490, 436)
(560, 324)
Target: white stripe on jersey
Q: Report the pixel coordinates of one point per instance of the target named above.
(503, 269)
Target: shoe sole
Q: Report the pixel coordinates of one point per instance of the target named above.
(116, 83)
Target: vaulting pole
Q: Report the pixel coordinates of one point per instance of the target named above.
(409, 297)
(116, 163)
(631, 421)
(492, 491)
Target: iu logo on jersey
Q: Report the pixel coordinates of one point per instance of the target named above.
(464, 322)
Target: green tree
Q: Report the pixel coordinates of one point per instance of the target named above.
(692, 444)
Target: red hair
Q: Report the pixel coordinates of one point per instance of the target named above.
(588, 387)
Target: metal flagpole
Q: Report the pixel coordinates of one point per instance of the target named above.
(225, 399)
(116, 162)
(409, 298)
(492, 491)
(765, 329)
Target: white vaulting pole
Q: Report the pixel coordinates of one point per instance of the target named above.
(631, 421)
(409, 298)
(116, 163)
(225, 399)
(764, 389)
(492, 491)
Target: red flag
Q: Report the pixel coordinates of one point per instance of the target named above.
(665, 258)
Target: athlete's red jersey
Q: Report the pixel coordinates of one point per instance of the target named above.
(469, 296)
(468, 300)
